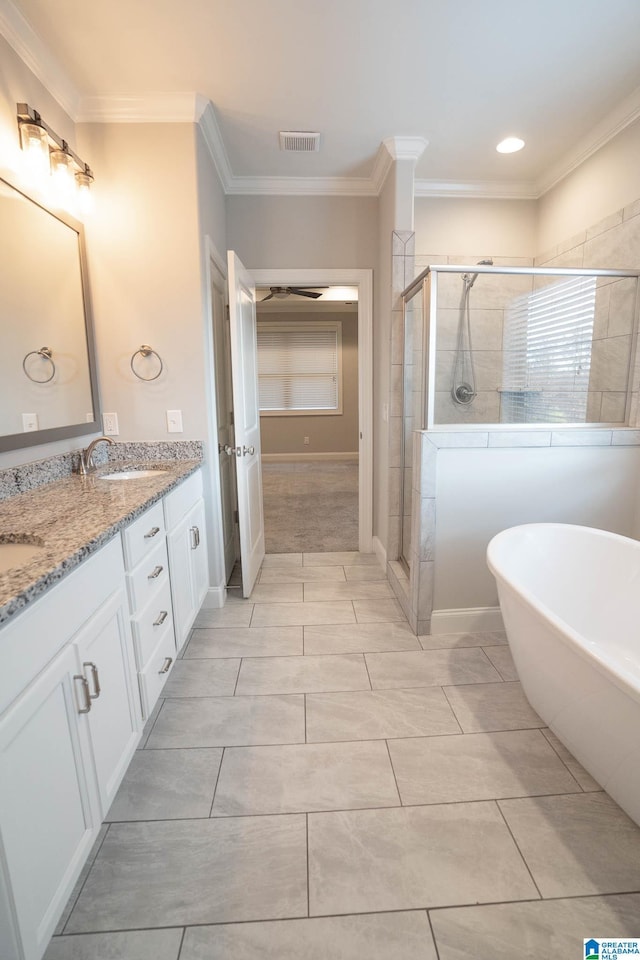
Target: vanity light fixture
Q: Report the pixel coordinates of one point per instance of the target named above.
(510, 145)
(49, 155)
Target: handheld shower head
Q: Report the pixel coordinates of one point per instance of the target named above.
(471, 279)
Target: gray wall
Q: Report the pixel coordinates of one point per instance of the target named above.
(303, 232)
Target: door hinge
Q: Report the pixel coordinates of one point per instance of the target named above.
(236, 516)
(231, 421)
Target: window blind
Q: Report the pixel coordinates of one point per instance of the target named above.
(299, 366)
(547, 353)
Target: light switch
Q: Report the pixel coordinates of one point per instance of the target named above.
(29, 422)
(174, 421)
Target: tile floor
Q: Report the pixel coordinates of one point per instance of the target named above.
(319, 783)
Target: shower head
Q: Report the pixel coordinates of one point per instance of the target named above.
(470, 279)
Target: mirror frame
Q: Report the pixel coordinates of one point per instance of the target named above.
(15, 441)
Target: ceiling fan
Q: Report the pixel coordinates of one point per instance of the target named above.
(281, 293)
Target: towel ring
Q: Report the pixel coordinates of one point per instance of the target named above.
(146, 351)
(47, 354)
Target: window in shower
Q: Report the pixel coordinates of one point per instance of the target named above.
(548, 341)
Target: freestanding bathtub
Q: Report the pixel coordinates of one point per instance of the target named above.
(570, 599)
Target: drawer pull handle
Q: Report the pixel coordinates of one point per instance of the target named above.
(155, 573)
(195, 538)
(166, 665)
(161, 618)
(96, 680)
(85, 693)
(152, 533)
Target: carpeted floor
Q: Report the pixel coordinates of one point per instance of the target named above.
(310, 507)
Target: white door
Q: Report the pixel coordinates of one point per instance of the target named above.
(244, 372)
(224, 415)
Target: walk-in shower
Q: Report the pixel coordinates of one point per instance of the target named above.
(463, 375)
(500, 346)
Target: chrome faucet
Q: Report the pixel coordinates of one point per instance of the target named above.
(86, 456)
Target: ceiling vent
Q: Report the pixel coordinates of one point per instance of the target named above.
(300, 141)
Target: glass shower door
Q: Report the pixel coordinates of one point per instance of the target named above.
(412, 412)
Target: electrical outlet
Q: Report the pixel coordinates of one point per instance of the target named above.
(110, 424)
(29, 422)
(305, 440)
(174, 421)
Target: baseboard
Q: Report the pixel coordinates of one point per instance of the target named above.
(469, 620)
(215, 597)
(380, 552)
(302, 457)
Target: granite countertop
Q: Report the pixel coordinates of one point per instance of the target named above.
(71, 519)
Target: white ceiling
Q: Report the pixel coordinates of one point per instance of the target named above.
(562, 74)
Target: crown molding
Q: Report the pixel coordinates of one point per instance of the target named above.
(37, 56)
(624, 114)
(405, 148)
(187, 107)
(477, 189)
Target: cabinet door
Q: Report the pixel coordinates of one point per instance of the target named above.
(189, 569)
(49, 813)
(199, 561)
(105, 653)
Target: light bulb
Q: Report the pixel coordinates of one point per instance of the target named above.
(84, 197)
(35, 146)
(62, 178)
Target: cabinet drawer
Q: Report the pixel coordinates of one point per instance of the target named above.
(142, 535)
(179, 501)
(154, 676)
(148, 578)
(150, 625)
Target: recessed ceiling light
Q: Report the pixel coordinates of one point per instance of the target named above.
(510, 145)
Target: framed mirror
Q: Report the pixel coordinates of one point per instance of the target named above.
(48, 384)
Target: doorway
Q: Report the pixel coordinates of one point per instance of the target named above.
(308, 385)
(361, 482)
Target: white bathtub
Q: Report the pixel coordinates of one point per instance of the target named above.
(570, 599)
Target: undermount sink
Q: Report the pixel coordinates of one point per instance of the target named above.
(16, 554)
(130, 474)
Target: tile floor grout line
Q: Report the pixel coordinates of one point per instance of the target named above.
(306, 817)
(182, 938)
(524, 860)
(557, 753)
(235, 686)
(366, 666)
(433, 934)
(393, 771)
(305, 718)
(84, 882)
(455, 715)
(213, 798)
(363, 913)
(340, 810)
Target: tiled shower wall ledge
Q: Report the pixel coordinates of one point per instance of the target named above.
(416, 596)
(28, 476)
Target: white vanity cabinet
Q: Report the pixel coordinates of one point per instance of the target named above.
(68, 729)
(186, 541)
(149, 589)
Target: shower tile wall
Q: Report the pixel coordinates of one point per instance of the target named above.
(487, 300)
(612, 243)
